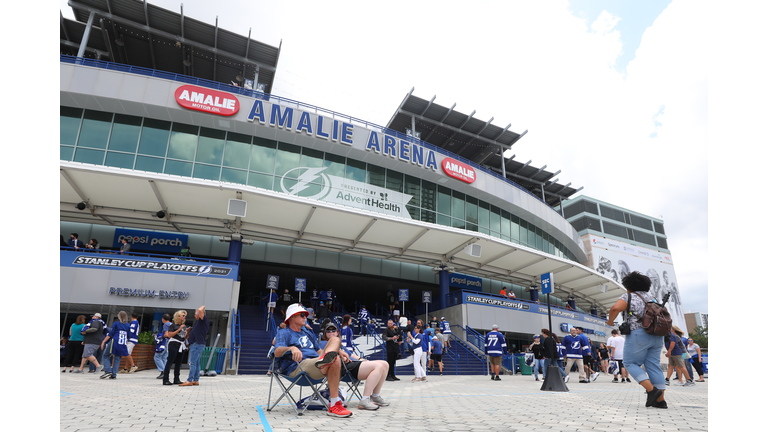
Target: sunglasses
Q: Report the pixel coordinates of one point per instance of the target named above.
(331, 330)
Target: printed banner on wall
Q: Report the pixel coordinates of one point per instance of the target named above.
(616, 259)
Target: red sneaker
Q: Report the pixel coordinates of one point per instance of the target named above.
(338, 410)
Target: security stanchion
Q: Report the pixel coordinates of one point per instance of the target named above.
(554, 380)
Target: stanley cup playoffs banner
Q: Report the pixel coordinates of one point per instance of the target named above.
(616, 259)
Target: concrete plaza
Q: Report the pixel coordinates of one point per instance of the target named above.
(445, 403)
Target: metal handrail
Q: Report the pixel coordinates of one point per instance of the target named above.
(235, 342)
(288, 102)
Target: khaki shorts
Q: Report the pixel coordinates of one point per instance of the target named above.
(130, 347)
(496, 361)
(308, 366)
(676, 361)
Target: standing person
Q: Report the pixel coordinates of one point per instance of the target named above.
(346, 335)
(573, 354)
(133, 339)
(393, 338)
(416, 338)
(363, 320)
(126, 247)
(196, 337)
(694, 350)
(445, 329)
(495, 347)
(332, 306)
(92, 245)
(161, 345)
(616, 344)
(433, 324)
(586, 348)
(550, 352)
(74, 242)
(538, 357)
(271, 299)
(176, 334)
(94, 334)
(391, 301)
(641, 348)
(120, 333)
(322, 311)
(503, 291)
(314, 298)
(560, 356)
(437, 353)
(75, 344)
(604, 357)
(674, 355)
(285, 300)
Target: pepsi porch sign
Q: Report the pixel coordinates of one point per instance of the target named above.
(150, 241)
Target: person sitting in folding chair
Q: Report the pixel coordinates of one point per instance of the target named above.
(305, 351)
(373, 372)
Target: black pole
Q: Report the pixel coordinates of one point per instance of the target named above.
(549, 314)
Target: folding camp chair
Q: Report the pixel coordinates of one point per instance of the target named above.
(302, 379)
(352, 383)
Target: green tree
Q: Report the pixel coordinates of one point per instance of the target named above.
(700, 336)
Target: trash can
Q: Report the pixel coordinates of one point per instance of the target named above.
(204, 358)
(524, 368)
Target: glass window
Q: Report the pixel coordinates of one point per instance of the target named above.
(428, 195)
(152, 164)
(495, 219)
(209, 172)
(457, 205)
(311, 158)
(413, 188)
(484, 214)
(413, 211)
(263, 181)
(125, 134)
(183, 143)
(120, 160)
(84, 155)
(394, 181)
(471, 210)
(66, 152)
(514, 225)
(485, 230)
(69, 125)
(154, 137)
(178, 168)
(237, 150)
(457, 223)
(335, 164)
(95, 130)
(286, 159)
(210, 146)
(505, 224)
(444, 220)
(263, 156)
(234, 176)
(355, 170)
(376, 176)
(428, 216)
(471, 227)
(443, 200)
(539, 240)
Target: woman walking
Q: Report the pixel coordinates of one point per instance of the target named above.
(75, 345)
(641, 348)
(694, 351)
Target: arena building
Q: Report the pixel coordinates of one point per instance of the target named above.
(171, 138)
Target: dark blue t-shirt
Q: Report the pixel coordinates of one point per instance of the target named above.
(304, 340)
(677, 350)
(199, 331)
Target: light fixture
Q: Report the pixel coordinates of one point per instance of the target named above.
(80, 205)
(160, 214)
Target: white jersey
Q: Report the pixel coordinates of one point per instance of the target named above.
(618, 343)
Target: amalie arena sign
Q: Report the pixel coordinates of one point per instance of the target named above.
(207, 100)
(458, 170)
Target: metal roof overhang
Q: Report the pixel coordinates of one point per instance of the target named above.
(131, 198)
(478, 141)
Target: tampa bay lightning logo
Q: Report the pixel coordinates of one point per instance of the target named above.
(575, 345)
(205, 270)
(315, 176)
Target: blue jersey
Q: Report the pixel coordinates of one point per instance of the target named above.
(437, 346)
(495, 344)
(560, 350)
(573, 348)
(346, 337)
(585, 345)
(314, 294)
(363, 315)
(120, 333)
(134, 336)
(323, 295)
(445, 327)
(304, 340)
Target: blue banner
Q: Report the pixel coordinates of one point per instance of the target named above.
(150, 241)
(403, 295)
(301, 285)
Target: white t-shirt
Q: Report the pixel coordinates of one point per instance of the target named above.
(618, 343)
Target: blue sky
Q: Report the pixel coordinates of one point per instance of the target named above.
(634, 18)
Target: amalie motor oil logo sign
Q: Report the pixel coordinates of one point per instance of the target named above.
(459, 170)
(207, 100)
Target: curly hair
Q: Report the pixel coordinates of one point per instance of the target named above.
(179, 317)
(636, 281)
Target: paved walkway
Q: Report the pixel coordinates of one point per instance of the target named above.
(448, 403)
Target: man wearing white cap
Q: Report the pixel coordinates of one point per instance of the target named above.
(305, 350)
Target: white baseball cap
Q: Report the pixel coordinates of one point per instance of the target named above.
(293, 310)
